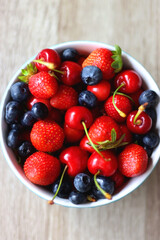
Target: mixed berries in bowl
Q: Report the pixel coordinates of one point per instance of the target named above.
(79, 124)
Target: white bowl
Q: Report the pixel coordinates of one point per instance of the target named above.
(83, 47)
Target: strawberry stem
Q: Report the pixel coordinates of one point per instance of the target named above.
(117, 64)
(107, 195)
(122, 114)
(60, 183)
(140, 110)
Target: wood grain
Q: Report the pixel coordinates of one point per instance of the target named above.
(29, 26)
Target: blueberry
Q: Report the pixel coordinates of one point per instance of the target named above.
(70, 54)
(77, 197)
(13, 112)
(39, 110)
(64, 190)
(152, 113)
(25, 149)
(106, 184)
(150, 97)
(16, 126)
(91, 75)
(20, 91)
(13, 140)
(87, 99)
(148, 150)
(82, 182)
(150, 139)
(28, 119)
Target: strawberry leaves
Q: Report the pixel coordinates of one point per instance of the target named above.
(27, 73)
(117, 56)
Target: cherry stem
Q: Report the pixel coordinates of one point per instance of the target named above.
(122, 114)
(140, 110)
(49, 65)
(107, 195)
(60, 183)
(89, 139)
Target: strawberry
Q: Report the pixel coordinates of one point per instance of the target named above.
(122, 103)
(65, 98)
(43, 85)
(47, 136)
(110, 62)
(101, 129)
(133, 160)
(42, 168)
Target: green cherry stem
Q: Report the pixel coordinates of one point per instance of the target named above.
(49, 65)
(60, 183)
(107, 195)
(122, 114)
(89, 139)
(140, 110)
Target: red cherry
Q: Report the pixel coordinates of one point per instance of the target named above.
(107, 165)
(71, 73)
(118, 179)
(32, 100)
(100, 90)
(55, 115)
(81, 60)
(76, 115)
(76, 160)
(72, 135)
(140, 125)
(131, 80)
(128, 135)
(135, 96)
(85, 146)
(48, 56)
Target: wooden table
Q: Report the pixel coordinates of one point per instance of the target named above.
(26, 27)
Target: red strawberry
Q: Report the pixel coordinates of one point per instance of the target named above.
(43, 85)
(101, 129)
(65, 98)
(42, 168)
(133, 160)
(47, 136)
(122, 103)
(108, 61)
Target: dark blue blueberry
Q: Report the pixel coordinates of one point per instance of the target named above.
(150, 97)
(106, 184)
(82, 182)
(91, 75)
(70, 54)
(28, 119)
(150, 139)
(16, 126)
(13, 112)
(13, 139)
(20, 91)
(39, 110)
(152, 113)
(148, 150)
(77, 197)
(25, 149)
(65, 189)
(87, 99)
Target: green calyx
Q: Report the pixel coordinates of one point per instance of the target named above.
(117, 64)
(27, 73)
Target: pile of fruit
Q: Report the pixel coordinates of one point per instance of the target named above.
(81, 126)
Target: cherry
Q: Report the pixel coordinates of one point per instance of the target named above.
(47, 59)
(139, 122)
(100, 90)
(128, 134)
(84, 144)
(76, 115)
(130, 79)
(72, 135)
(75, 158)
(71, 73)
(56, 115)
(32, 100)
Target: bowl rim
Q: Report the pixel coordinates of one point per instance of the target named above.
(32, 187)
